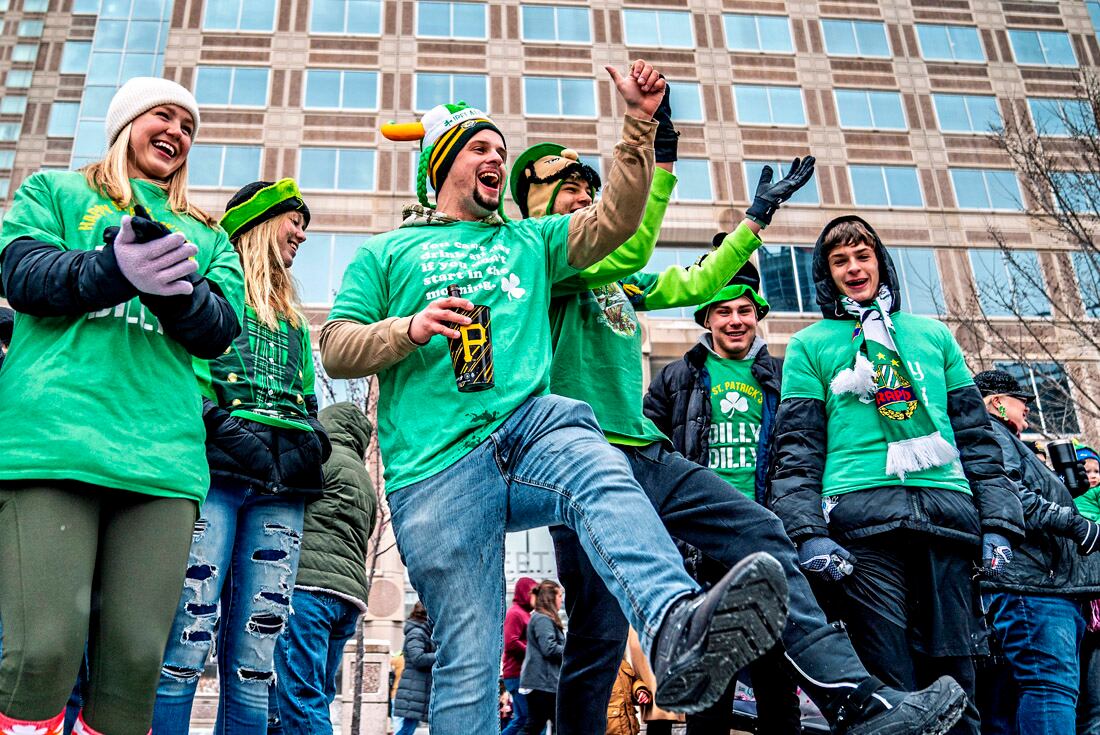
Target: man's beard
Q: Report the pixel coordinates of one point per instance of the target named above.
(481, 201)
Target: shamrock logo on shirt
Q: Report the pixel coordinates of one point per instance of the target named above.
(510, 285)
(734, 402)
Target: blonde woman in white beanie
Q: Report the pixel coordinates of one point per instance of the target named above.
(117, 280)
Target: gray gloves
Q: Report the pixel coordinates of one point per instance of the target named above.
(769, 194)
(996, 554)
(826, 558)
(159, 267)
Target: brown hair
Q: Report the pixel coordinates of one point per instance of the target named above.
(847, 233)
(268, 287)
(546, 602)
(419, 612)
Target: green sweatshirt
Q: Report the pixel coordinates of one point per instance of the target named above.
(105, 397)
(597, 343)
(1088, 504)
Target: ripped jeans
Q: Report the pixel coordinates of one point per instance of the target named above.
(240, 575)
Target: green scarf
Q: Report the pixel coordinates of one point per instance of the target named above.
(879, 374)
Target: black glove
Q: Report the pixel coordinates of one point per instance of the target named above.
(667, 139)
(770, 195)
(144, 226)
(1086, 534)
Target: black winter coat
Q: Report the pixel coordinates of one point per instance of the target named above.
(678, 402)
(794, 485)
(1045, 562)
(415, 688)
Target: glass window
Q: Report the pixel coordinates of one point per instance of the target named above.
(19, 78)
(30, 29)
(342, 90)
(320, 273)
(336, 169)
(13, 104)
(346, 16)
(966, 113)
(27, 52)
(239, 15)
(5, 187)
(786, 278)
(74, 57)
(231, 85)
(885, 186)
(9, 131)
(1052, 410)
(1043, 48)
(1009, 286)
(692, 181)
(688, 100)
(438, 89)
(1077, 191)
(878, 110)
(62, 122)
(225, 166)
(1087, 267)
(7, 158)
(1054, 116)
(855, 38)
(662, 28)
(950, 43)
(770, 33)
(806, 195)
(985, 189)
(922, 290)
(556, 23)
(35, 6)
(450, 20)
(769, 105)
(559, 97)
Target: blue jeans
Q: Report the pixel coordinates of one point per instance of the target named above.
(252, 542)
(1040, 637)
(547, 464)
(519, 707)
(408, 726)
(307, 657)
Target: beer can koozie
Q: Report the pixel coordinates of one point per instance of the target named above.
(472, 353)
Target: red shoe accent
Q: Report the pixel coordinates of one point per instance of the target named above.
(80, 727)
(52, 726)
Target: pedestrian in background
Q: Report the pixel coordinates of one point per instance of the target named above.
(545, 643)
(413, 700)
(515, 648)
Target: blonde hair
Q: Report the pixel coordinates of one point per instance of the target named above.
(111, 178)
(268, 286)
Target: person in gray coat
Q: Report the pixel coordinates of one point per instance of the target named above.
(545, 642)
(415, 688)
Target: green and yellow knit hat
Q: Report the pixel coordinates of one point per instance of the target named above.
(443, 133)
(260, 201)
(746, 282)
(539, 172)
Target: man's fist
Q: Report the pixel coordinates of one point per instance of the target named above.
(642, 89)
(438, 318)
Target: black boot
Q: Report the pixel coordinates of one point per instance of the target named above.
(706, 638)
(932, 711)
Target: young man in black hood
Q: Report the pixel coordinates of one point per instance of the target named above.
(887, 474)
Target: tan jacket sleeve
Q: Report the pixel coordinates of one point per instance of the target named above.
(597, 230)
(353, 350)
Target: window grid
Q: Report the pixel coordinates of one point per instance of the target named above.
(7, 159)
(1041, 48)
(239, 15)
(1058, 117)
(985, 189)
(890, 186)
(425, 10)
(855, 38)
(658, 35)
(1005, 288)
(980, 113)
(689, 102)
(346, 91)
(26, 53)
(212, 89)
(693, 181)
(206, 158)
(13, 104)
(62, 121)
(867, 110)
(950, 43)
(565, 89)
(534, 23)
(763, 33)
(353, 169)
(477, 98)
(352, 17)
(1086, 265)
(750, 99)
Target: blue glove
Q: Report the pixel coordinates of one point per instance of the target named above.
(826, 558)
(996, 554)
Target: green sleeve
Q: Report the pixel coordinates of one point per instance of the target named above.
(678, 286)
(1088, 504)
(955, 372)
(204, 378)
(632, 255)
(363, 294)
(309, 376)
(225, 270)
(800, 375)
(34, 214)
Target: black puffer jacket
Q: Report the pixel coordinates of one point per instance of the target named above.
(794, 488)
(1045, 562)
(415, 688)
(678, 402)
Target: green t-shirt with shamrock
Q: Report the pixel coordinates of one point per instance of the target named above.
(424, 424)
(737, 410)
(105, 397)
(855, 442)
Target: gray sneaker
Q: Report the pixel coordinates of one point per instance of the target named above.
(932, 711)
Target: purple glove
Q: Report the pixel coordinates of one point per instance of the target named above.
(159, 267)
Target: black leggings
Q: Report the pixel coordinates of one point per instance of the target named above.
(540, 710)
(60, 543)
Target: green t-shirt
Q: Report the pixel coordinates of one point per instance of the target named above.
(855, 442)
(736, 412)
(265, 375)
(424, 424)
(1088, 503)
(104, 397)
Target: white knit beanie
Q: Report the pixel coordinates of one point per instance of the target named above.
(141, 94)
